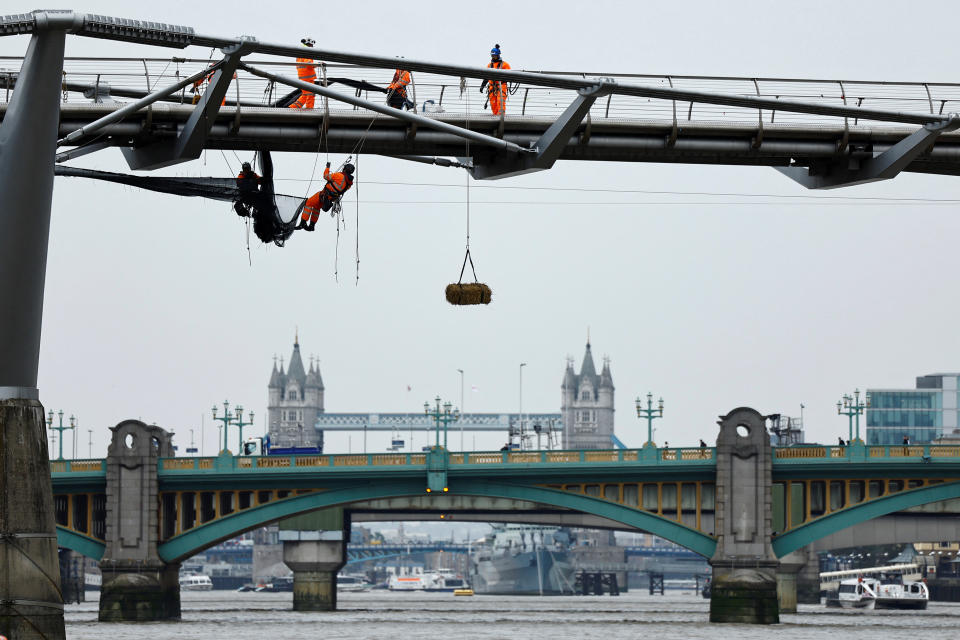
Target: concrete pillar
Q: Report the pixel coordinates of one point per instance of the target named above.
(137, 585)
(744, 586)
(315, 549)
(808, 578)
(315, 564)
(72, 572)
(31, 606)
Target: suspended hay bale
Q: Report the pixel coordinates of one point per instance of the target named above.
(468, 293)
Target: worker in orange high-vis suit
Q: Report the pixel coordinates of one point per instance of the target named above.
(397, 98)
(337, 184)
(201, 85)
(496, 91)
(306, 72)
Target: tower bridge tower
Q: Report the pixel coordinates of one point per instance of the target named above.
(587, 405)
(295, 400)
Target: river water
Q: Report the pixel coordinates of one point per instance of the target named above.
(226, 615)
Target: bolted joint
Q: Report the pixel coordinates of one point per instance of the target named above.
(604, 86)
(246, 45)
(58, 20)
(951, 123)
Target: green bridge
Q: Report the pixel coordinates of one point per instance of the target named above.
(739, 503)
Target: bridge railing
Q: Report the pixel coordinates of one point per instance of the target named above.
(419, 460)
(77, 466)
(147, 74)
(805, 453)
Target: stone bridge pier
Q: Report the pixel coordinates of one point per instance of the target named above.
(744, 586)
(137, 584)
(315, 549)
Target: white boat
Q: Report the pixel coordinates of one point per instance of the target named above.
(896, 593)
(350, 582)
(196, 582)
(409, 579)
(443, 581)
(856, 593)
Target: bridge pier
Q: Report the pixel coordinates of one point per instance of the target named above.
(744, 586)
(31, 605)
(315, 549)
(137, 585)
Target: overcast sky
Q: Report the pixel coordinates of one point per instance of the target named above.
(153, 311)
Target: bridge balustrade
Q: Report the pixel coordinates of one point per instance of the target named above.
(133, 77)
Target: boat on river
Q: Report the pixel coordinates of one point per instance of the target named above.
(896, 593)
(196, 582)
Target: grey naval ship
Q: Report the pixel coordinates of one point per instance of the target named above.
(524, 559)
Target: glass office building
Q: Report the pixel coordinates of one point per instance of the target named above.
(922, 414)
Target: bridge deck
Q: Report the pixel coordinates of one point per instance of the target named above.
(619, 127)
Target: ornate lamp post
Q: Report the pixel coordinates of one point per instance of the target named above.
(852, 407)
(651, 413)
(241, 424)
(444, 414)
(60, 428)
(227, 419)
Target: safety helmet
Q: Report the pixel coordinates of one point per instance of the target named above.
(496, 50)
(348, 168)
(308, 41)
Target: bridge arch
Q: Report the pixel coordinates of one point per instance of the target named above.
(84, 545)
(821, 527)
(199, 538)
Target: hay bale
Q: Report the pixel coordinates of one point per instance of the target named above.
(469, 293)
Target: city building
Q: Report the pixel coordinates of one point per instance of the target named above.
(295, 400)
(587, 405)
(922, 414)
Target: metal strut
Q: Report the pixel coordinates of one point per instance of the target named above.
(848, 171)
(390, 111)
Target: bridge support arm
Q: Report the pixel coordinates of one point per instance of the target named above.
(189, 144)
(849, 171)
(551, 144)
(133, 107)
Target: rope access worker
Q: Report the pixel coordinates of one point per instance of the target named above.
(306, 72)
(496, 91)
(397, 98)
(337, 184)
(248, 182)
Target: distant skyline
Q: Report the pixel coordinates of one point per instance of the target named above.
(154, 310)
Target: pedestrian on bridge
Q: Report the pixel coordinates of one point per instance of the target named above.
(306, 72)
(397, 96)
(327, 198)
(496, 91)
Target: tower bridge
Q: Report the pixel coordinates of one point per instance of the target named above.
(822, 134)
(142, 507)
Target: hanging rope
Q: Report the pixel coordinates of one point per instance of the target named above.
(356, 230)
(476, 292)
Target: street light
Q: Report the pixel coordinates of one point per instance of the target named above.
(60, 429)
(522, 365)
(444, 414)
(852, 407)
(650, 413)
(241, 424)
(461, 407)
